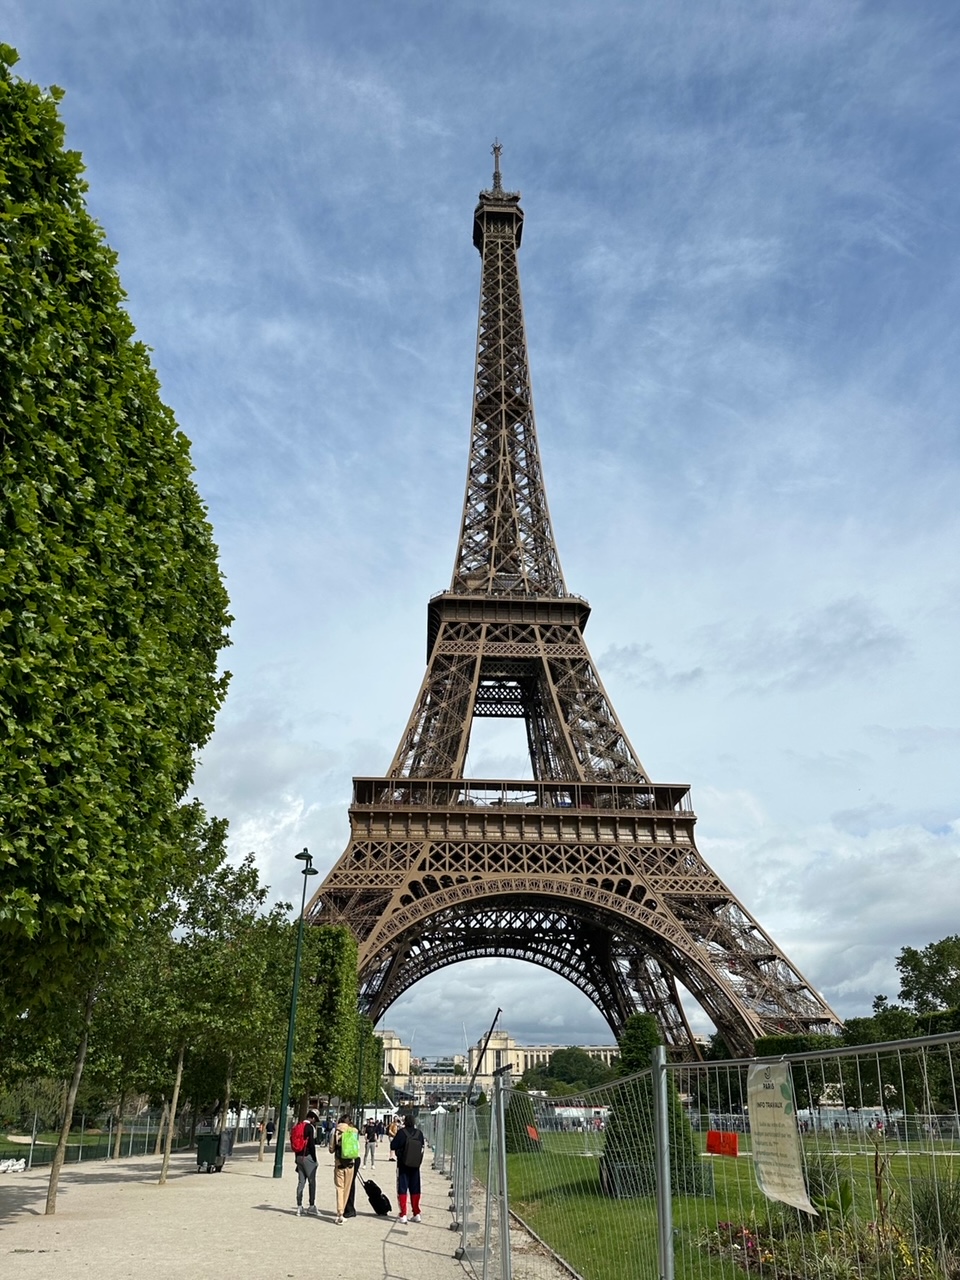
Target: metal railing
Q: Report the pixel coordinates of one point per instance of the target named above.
(97, 1140)
(842, 1164)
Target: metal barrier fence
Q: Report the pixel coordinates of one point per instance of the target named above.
(843, 1165)
(138, 1137)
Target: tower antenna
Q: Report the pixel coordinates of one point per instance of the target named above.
(497, 150)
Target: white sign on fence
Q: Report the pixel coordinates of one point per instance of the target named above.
(774, 1136)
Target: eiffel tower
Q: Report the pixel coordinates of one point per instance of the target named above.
(588, 869)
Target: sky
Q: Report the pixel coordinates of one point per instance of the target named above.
(741, 276)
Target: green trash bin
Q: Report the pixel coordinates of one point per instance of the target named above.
(209, 1158)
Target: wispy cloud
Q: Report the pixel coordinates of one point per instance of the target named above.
(845, 639)
(639, 664)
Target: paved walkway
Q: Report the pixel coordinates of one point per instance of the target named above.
(113, 1222)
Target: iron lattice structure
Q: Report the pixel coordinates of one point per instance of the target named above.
(589, 869)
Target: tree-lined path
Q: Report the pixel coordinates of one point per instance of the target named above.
(115, 1222)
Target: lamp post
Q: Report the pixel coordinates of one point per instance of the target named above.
(308, 870)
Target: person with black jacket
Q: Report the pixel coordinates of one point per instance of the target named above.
(306, 1162)
(370, 1141)
(408, 1147)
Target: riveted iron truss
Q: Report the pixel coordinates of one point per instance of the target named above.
(588, 869)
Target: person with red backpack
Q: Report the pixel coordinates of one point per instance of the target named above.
(345, 1146)
(408, 1145)
(303, 1142)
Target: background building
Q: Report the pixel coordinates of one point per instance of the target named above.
(446, 1079)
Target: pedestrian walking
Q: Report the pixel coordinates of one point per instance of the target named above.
(303, 1140)
(408, 1145)
(370, 1142)
(345, 1146)
(271, 1130)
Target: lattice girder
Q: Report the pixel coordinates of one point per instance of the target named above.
(517, 670)
(441, 928)
(569, 943)
(635, 872)
(589, 869)
(506, 539)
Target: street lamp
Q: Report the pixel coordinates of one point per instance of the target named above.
(308, 870)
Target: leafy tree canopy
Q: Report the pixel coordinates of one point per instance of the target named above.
(337, 1029)
(640, 1036)
(930, 978)
(112, 608)
(568, 1071)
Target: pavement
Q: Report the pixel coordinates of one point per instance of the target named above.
(114, 1221)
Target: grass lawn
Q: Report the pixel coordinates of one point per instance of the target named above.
(557, 1192)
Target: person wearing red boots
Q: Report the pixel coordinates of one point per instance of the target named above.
(408, 1148)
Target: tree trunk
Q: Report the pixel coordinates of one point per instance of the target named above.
(225, 1109)
(263, 1122)
(121, 1103)
(158, 1145)
(61, 1153)
(172, 1117)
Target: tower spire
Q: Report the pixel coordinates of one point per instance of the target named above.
(497, 150)
(506, 542)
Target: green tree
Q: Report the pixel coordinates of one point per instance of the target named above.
(574, 1066)
(566, 1072)
(639, 1038)
(112, 608)
(627, 1166)
(366, 1069)
(808, 1079)
(126, 1053)
(333, 1068)
(930, 978)
(900, 1078)
(213, 963)
(260, 1068)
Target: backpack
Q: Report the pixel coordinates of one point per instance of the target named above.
(349, 1144)
(413, 1150)
(298, 1137)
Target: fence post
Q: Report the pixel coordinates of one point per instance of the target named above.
(110, 1137)
(661, 1150)
(463, 1177)
(83, 1129)
(493, 1165)
(506, 1262)
(33, 1141)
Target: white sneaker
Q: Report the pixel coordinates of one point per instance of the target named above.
(416, 1217)
(299, 1210)
(339, 1220)
(402, 1218)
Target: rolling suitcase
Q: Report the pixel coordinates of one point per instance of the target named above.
(378, 1201)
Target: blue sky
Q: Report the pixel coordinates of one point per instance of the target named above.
(740, 271)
